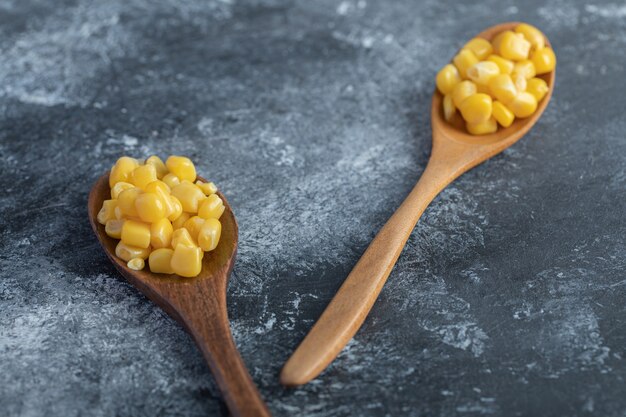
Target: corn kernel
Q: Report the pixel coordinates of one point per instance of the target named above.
(513, 47)
(143, 175)
(463, 60)
(187, 261)
(207, 188)
(127, 252)
(505, 65)
(162, 190)
(177, 209)
(502, 114)
(537, 87)
(126, 201)
(189, 195)
(161, 169)
(161, 234)
(107, 212)
(182, 237)
(136, 264)
(520, 82)
(448, 107)
(113, 228)
(482, 128)
(524, 68)
(160, 261)
(121, 170)
(523, 105)
(211, 207)
(461, 91)
(136, 233)
(209, 234)
(447, 78)
(544, 60)
(149, 207)
(480, 47)
(119, 187)
(193, 225)
(503, 88)
(171, 180)
(180, 221)
(483, 89)
(182, 167)
(482, 72)
(497, 40)
(532, 35)
(476, 108)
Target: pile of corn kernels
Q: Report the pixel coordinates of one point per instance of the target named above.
(492, 83)
(160, 212)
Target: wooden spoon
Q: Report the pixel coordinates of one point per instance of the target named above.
(199, 304)
(454, 152)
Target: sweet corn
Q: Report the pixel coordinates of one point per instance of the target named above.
(177, 209)
(193, 225)
(143, 175)
(480, 47)
(161, 169)
(482, 128)
(182, 237)
(464, 60)
(209, 234)
(211, 207)
(523, 105)
(503, 88)
(497, 40)
(160, 261)
(208, 188)
(189, 196)
(482, 72)
(136, 234)
(520, 82)
(162, 190)
(448, 107)
(461, 91)
(121, 170)
(171, 180)
(136, 264)
(180, 221)
(502, 114)
(119, 187)
(113, 228)
(126, 201)
(161, 234)
(505, 65)
(447, 78)
(537, 87)
(107, 212)
(187, 260)
(524, 68)
(513, 47)
(149, 207)
(532, 35)
(127, 252)
(544, 60)
(476, 108)
(483, 89)
(182, 167)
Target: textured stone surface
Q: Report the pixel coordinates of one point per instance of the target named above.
(313, 119)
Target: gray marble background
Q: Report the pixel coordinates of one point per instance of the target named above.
(313, 118)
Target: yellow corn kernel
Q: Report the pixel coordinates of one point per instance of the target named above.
(520, 82)
(448, 107)
(211, 207)
(160, 261)
(461, 91)
(207, 188)
(502, 114)
(162, 190)
(150, 207)
(505, 65)
(161, 234)
(113, 228)
(127, 252)
(503, 88)
(161, 169)
(476, 108)
(482, 72)
(189, 195)
(187, 261)
(209, 234)
(107, 212)
(182, 167)
(544, 60)
(143, 175)
(136, 233)
(180, 221)
(482, 128)
(121, 170)
(126, 201)
(463, 60)
(523, 105)
(496, 41)
(119, 187)
(182, 237)
(537, 87)
(483, 89)
(136, 264)
(532, 35)
(524, 68)
(171, 180)
(177, 209)
(480, 47)
(447, 78)
(193, 225)
(513, 47)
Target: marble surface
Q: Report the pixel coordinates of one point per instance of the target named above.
(312, 117)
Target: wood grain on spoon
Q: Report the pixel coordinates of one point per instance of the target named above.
(198, 303)
(454, 151)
